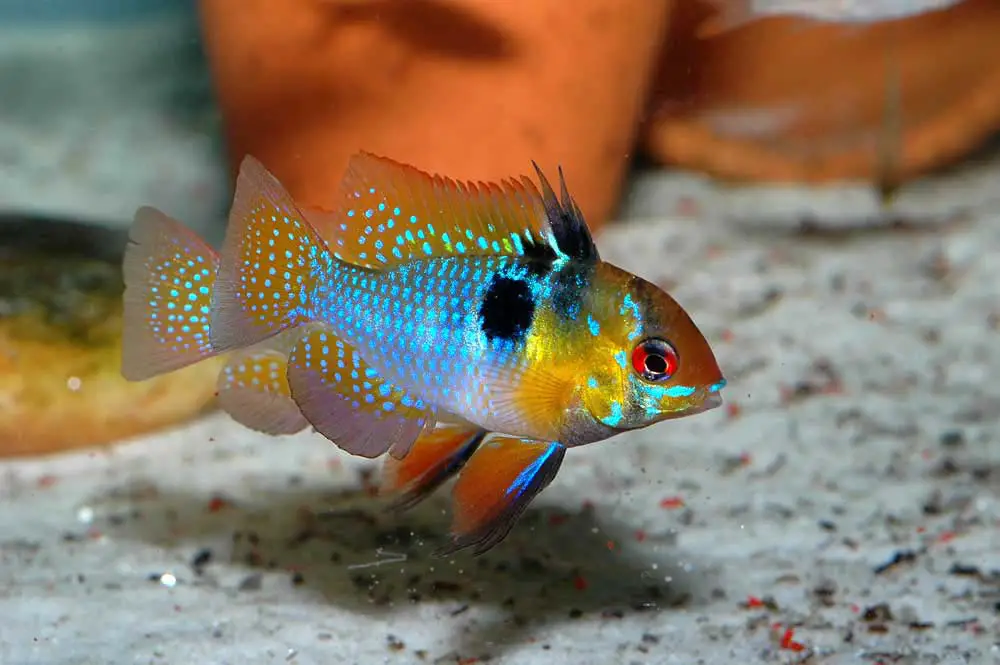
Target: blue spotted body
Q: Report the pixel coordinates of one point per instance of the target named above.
(420, 302)
(421, 326)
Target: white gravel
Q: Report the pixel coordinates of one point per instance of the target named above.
(861, 428)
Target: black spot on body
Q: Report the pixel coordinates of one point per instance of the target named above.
(507, 309)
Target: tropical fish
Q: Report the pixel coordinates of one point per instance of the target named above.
(464, 328)
(734, 14)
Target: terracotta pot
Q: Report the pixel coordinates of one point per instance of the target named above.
(793, 99)
(472, 89)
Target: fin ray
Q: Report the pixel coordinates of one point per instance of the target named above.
(253, 390)
(399, 213)
(497, 483)
(270, 260)
(169, 273)
(531, 398)
(435, 457)
(569, 229)
(348, 402)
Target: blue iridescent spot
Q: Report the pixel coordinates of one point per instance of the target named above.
(659, 392)
(679, 391)
(595, 327)
(527, 476)
(518, 245)
(615, 417)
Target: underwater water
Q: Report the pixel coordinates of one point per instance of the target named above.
(842, 507)
(107, 109)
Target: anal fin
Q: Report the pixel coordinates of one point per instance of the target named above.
(348, 402)
(436, 456)
(253, 390)
(499, 481)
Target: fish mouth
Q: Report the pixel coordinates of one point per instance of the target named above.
(713, 398)
(709, 402)
(712, 401)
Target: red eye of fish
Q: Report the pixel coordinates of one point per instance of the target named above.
(655, 359)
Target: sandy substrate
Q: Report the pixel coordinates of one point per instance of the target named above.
(848, 493)
(842, 508)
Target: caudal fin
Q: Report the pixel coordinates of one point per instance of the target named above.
(169, 274)
(270, 261)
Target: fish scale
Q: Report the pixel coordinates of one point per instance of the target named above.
(417, 325)
(468, 330)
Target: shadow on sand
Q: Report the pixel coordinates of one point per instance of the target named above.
(554, 567)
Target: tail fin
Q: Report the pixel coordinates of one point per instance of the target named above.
(169, 273)
(271, 259)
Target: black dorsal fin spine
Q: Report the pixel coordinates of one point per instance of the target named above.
(569, 228)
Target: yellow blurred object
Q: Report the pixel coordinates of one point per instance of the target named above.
(60, 360)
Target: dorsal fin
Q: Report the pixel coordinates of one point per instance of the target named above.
(390, 213)
(572, 236)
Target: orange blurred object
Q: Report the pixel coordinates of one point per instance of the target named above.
(471, 89)
(794, 99)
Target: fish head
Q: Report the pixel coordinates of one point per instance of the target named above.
(646, 360)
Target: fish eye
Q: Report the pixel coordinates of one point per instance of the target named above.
(655, 359)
